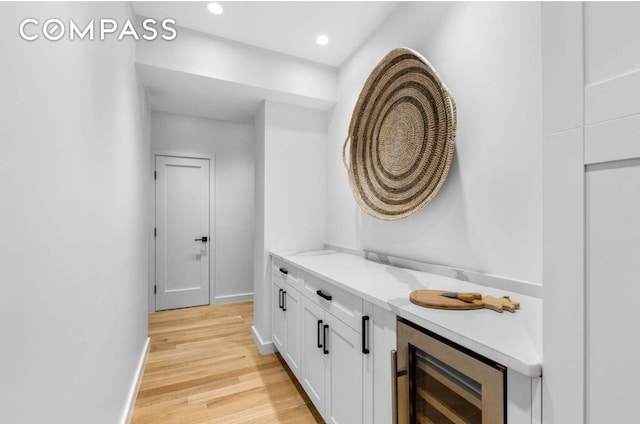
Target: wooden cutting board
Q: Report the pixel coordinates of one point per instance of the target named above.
(433, 299)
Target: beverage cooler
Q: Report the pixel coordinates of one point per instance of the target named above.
(440, 382)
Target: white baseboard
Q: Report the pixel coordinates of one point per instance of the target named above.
(233, 298)
(135, 385)
(265, 348)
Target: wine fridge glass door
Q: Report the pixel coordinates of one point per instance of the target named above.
(441, 394)
(440, 382)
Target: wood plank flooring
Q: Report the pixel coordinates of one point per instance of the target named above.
(203, 367)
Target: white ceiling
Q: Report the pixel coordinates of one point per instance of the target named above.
(285, 27)
(189, 94)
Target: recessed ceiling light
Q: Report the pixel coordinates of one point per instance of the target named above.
(322, 40)
(215, 8)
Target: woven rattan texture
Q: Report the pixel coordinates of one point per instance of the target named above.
(401, 137)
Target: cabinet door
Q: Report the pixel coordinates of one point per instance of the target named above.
(278, 316)
(343, 374)
(376, 372)
(313, 359)
(383, 340)
(613, 249)
(292, 313)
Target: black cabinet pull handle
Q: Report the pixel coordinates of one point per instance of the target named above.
(324, 340)
(284, 271)
(324, 296)
(365, 338)
(284, 300)
(280, 298)
(319, 331)
(203, 239)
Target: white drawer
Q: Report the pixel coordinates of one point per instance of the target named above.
(341, 304)
(282, 272)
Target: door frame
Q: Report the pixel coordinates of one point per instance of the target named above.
(212, 221)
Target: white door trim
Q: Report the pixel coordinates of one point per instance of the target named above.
(212, 222)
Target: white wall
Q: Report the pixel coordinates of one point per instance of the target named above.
(295, 176)
(74, 219)
(232, 146)
(291, 146)
(488, 215)
(261, 291)
(201, 54)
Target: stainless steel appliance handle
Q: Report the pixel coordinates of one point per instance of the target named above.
(394, 387)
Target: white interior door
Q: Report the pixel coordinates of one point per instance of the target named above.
(182, 232)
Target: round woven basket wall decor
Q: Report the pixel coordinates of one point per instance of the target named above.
(401, 137)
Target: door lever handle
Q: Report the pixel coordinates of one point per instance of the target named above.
(203, 239)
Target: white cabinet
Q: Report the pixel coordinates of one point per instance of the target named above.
(336, 345)
(279, 315)
(376, 371)
(343, 305)
(323, 336)
(613, 248)
(286, 319)
(313, 358)
(331, 365)
(292, 309)
(343, 373)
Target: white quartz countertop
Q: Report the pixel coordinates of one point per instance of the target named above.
(511, 339)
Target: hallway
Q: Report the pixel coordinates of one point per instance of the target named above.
(203, 367)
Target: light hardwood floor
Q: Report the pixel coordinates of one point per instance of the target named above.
(203, 367)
